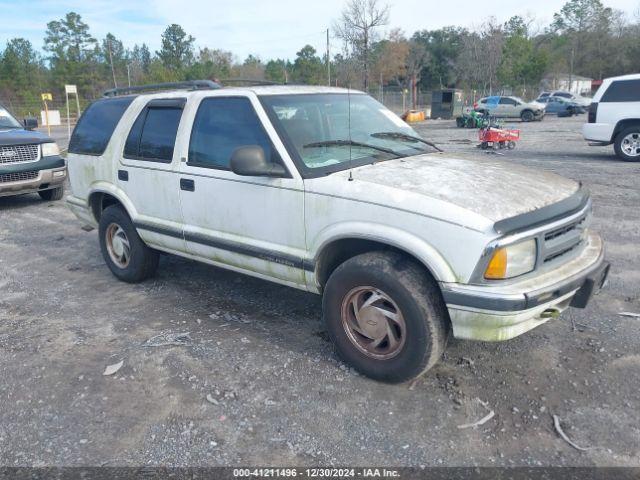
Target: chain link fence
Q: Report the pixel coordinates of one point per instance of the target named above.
(21, 109)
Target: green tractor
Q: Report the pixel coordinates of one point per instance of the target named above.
(472, 119)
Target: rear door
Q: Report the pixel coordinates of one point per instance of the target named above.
(251, 224)
(148, 173)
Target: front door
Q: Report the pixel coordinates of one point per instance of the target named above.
(250, 224)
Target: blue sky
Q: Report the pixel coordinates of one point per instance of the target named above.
(267, 28)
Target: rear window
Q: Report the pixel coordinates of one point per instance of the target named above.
(153, 135)
(93, 132)
(623, 91)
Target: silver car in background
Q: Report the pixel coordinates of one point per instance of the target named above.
(511, 107)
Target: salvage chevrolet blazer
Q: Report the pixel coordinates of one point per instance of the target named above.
(325, 190)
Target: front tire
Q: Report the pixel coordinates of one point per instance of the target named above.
(386, 316)
(627, 144)
(527, 116)
(51, 195)
(126, 255)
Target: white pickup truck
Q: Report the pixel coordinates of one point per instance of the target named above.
(325, 190)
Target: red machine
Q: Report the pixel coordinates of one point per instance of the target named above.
(492, 137)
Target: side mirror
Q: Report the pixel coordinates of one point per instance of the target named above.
(30, 123)
(250, 161)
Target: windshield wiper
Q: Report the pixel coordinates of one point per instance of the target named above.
(406, 137)
(351, 143)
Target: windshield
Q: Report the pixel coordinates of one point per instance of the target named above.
(7, 121)
(316, 130)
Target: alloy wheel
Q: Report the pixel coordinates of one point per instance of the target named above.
(630, 144)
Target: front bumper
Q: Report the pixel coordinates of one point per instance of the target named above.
(47, 173)
(495, 312)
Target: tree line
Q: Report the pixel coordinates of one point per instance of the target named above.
(585, 38)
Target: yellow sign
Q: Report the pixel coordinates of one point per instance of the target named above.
(47, 96)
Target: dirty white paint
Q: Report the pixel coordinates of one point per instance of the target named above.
(438, 208)
(491, 188)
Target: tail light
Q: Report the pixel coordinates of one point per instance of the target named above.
(475, 105)
(593, 112)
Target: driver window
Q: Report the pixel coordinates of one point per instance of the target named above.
(222, 125)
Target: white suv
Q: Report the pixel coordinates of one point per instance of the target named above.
(326, 190)
(614, 116)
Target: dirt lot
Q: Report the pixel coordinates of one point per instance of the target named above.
(280, 396)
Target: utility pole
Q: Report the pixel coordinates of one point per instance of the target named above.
(113, 72)
(328, 61)
(128, 74)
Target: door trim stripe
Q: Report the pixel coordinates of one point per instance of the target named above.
(243, 249)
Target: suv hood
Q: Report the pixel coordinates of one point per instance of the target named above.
(492, 189)
(22, 137)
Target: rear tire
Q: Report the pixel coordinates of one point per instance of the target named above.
(126, 255)
(627, 144)
(53, 194)
(386, 316)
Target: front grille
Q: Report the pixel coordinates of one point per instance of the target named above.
(19, 153)
(18, 177)
(562, 241)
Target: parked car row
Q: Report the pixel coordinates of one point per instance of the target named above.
(562, 104)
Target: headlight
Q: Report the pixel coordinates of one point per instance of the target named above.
(50, 149)
(512, 260)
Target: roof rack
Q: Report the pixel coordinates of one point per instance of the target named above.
(249, 81)
(186, 85)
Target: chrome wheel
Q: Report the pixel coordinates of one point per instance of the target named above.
(118, 245)
(373, 322)
(630, 144)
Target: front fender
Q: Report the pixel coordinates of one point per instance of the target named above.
(402, 240)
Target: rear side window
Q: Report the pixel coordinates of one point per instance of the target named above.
(221, 126)
(93, 132)
(507, 101)
(153, 135)
(622, 91)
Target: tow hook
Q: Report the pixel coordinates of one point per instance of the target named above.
(550, 313)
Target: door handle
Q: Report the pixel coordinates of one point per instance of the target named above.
(187, 185)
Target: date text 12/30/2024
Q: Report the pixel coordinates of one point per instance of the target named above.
(316, 472)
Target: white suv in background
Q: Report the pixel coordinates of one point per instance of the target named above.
(614, 116)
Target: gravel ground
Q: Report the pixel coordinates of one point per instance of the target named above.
(257, 381)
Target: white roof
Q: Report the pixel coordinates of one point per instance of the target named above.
(633, 76)
(260, 90)
(296, 89)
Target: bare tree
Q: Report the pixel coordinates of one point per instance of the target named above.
(417, 58)
(357, 27)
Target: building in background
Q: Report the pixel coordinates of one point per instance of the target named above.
(569, 83)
